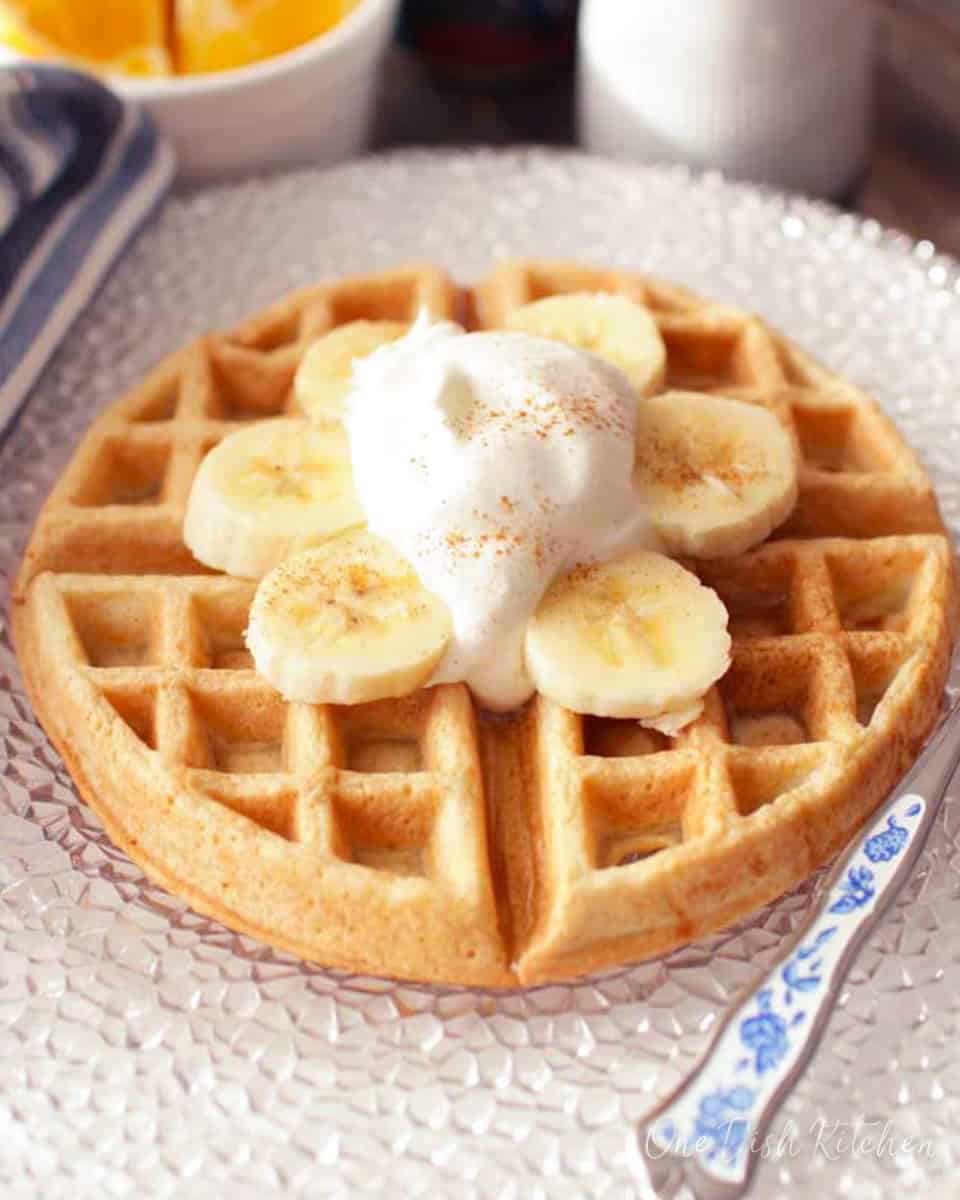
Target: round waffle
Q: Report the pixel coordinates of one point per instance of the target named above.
(424, 838)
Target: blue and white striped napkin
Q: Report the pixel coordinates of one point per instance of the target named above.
(80, 172)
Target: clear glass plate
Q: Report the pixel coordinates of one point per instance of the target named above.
(146, 1051)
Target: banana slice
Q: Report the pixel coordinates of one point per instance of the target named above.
(639, 636)
(267, 491)
(718, 475)
(346, 622)
(323, 380)
(613, 327)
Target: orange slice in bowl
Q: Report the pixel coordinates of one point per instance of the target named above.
(215, 35)
(127, 36)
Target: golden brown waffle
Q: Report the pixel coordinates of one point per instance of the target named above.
(421, 838)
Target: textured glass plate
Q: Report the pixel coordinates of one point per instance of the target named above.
(145, 1051)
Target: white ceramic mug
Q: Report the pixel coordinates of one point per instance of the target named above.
(779, 91)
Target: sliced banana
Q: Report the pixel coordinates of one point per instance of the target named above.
(639, 636)
(718, 475)
(346, 622)
(323, 380)
(267, 491)
(613, 327)
(670, 723)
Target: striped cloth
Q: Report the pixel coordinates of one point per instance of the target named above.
(80, 172)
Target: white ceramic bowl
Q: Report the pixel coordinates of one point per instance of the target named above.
(310, 106)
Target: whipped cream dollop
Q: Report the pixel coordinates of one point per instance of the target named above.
(494, 461)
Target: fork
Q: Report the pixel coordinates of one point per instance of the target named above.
(709, 1132)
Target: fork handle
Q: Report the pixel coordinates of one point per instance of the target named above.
(709, 1132)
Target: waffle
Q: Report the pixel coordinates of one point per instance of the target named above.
(424, 838)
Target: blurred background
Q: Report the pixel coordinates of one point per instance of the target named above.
(857, 101)
(905, 172)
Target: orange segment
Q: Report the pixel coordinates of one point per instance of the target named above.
(129, 36)
(215, 35)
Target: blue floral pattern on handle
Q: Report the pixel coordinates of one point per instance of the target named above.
(857, 888)
(718, 1125)
(766, 1034)
(799, 975)
(716, 1119)
(888, 844)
